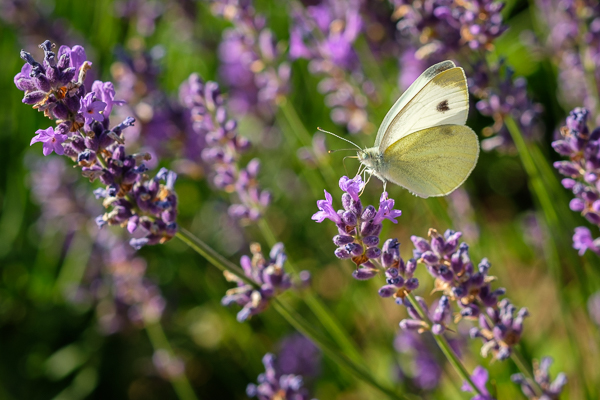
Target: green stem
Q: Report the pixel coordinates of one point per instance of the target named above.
(355, 368)
(159, 341)
(552, 255)
(212, 256)
(358, 370)
(445, 346)
(329, 322)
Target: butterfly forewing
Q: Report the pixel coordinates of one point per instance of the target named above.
(443, 100)
(413, 89)
(432, 161)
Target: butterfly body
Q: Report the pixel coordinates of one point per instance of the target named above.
(422, 143)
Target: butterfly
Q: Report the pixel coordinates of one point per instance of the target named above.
(423, 143)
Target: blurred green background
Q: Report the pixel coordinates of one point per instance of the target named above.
(52, 345)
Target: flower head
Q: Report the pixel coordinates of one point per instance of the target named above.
(273, 385)
(52, 141)
(479, 378)
(91, 108)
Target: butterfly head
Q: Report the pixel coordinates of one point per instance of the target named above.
(370, 158)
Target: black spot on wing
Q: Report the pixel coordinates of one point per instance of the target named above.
(443, 106)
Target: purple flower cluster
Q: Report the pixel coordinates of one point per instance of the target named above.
(583, 172)
(399, 275)
(551, 390)
(298, 356)
(503, 95)
(135, 75)
(325, 34)
(442, 27)
(573, 41)
(359, 228)
(252, 64)
(274, 386)
(500, 329)
(459, 281)
(439, 316)
(223, 148)
(268, 275)
(83, 133)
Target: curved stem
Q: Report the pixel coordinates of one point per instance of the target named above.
(212, 256)
(329, 322)
(357, 369)
(304, 327)
(445, 347)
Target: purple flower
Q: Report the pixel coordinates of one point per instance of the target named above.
(582, 147)
(358, 227)
(298, 356)
(267, 273)
(551, 390)
(273, 385)
(326, 210)
(144, 205)
(582, 241)
(91, 108)
(479, 378)
(224, 147)
(105, 92)
(52, 141)
(76, 55)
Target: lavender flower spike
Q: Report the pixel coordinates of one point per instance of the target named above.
(359, 228)
(267, 273)
(273, 385)
(551, 390)
(83, 133)
(581, 146)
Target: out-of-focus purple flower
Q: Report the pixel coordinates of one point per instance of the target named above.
(253, 65)
(223, 148)
(573, 41)
(298, 356)
(325, 34)
(479, 378)
(144, 13)
(440, 28)
(168, 366)
(551, 390)
(503, 95)
(426, 370)
(582, 171)
(267, 274)
(274, 386)
(593, 305)
(358, 227)
(84, 134)
(52, 141)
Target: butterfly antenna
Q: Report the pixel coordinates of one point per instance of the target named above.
(339, 137)
(336, 150)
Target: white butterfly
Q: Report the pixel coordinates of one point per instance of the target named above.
(423, 143)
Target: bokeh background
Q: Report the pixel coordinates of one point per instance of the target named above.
(65, 334)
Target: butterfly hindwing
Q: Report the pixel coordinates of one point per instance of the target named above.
(432, 161)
